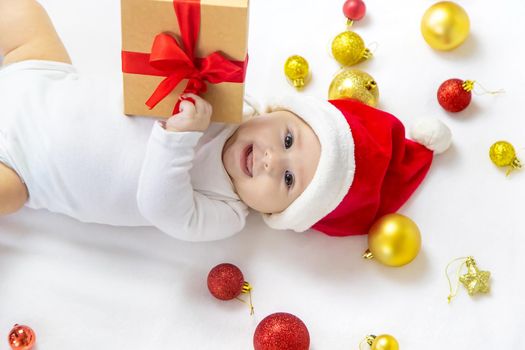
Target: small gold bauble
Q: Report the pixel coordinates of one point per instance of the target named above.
(354, 84)
(349, 48)
(297, 70)
(502, 154)
(445, 25)
(383, 342)
(393, 240)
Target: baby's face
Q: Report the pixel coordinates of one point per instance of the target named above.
(271, 159)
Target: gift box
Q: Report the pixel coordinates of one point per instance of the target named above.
(175, 46)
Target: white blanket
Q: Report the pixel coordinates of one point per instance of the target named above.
(87, 287)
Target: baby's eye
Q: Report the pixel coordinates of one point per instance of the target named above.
(288, 140)
(288, 179)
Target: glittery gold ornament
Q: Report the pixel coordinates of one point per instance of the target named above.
(502, 154)
(349, 48)
(393, 240)
(381, 342)
(355, 84)
(445, 25)
(297, 71)
(474, 280)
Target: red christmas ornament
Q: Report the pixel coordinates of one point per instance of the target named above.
(21, 338)
(281, 331)
(454, 95)
(354, 10)
(226, 282)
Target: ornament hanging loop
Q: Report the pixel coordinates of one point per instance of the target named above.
(247, 289)
(516, 164)
(373, 46)
(485, 91)
(452, 294)
(369, 339)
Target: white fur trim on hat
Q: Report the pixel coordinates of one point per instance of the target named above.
(432, 133)
(336, 168)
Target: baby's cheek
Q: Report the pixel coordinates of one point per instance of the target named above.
(258, 194)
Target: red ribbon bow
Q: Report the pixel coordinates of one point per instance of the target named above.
(176, 63)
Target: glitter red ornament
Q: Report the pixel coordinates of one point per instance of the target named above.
(226, 282)
(21, 338)
(354, 10)
(282, 331)
(454, 95)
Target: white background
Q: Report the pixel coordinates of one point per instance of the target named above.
(83, 286)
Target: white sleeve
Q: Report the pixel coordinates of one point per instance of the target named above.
(166, 198)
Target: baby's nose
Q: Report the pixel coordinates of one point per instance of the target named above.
(267, 159)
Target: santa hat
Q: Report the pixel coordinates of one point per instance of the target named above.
(367, 167)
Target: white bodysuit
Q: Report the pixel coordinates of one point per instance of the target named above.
(69, 141)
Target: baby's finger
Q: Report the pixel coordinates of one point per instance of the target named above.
(187, 108)
(201, 104)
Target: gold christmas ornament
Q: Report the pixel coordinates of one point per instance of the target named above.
(297, 71)
(349, 48)
(474, 280)
(502, 154)
(393, 240)
(445, 25)
(355, 84)
(381, 342)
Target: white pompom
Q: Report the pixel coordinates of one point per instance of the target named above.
(432, 133)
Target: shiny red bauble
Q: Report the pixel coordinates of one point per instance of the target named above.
(453, 96)
(281, 331)
(354, 9)
(225, 281)
(21, 338)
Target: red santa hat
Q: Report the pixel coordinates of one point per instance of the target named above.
(367, 167)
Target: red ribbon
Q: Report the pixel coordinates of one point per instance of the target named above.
(176, 63)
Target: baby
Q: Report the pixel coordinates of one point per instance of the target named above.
(335, 166)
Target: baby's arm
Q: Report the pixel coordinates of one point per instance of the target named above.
(26, 33)
(165, 195)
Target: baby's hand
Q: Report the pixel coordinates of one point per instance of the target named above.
(191, 117)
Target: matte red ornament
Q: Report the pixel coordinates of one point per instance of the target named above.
(454, 95)
(21, 338)
(354, 10)
(225, 281)
(281, 331)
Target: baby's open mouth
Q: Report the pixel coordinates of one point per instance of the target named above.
(247, 161)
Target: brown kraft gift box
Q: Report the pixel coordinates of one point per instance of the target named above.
(223, 28)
